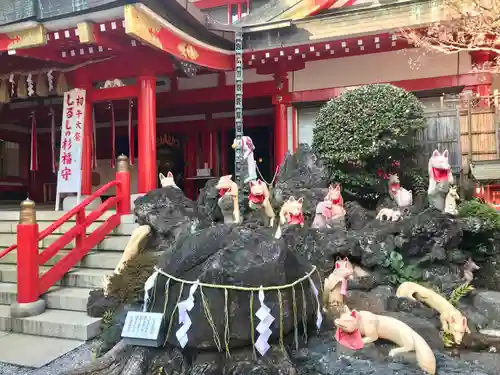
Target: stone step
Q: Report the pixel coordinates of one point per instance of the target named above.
(107, 260)
(61, 298)
(77, 277)
(124, 229)
(113, 243)
(75, 325)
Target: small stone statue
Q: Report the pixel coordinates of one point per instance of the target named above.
(388, 214)
(228, 201)
(452, 320)
(450, 203)
(291, 214)
(399, 194)
(440, 179)
(357, 328)
(247, 147)
(258, 199)
(335, 286)
(330, 209)
(469, 267)
(167, 181)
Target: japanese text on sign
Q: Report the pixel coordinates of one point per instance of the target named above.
(69, 177)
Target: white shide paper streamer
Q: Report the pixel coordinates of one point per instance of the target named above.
(148, 285)
(266, 319)
(184, 320)
(31, 90)
(319, 317)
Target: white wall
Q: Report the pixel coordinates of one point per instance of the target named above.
(377, 68)
(305, 123)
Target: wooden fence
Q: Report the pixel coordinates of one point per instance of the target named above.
(468, 126)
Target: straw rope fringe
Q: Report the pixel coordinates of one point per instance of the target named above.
(227, 334)
(240, 288)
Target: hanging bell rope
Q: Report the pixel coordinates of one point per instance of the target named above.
(4, 92)
(61, 85)
(22, 90)
(113, 134)
(131, 150)
(42, 87)
(34, 146)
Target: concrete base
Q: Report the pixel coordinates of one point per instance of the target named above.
(70, 202)
(133, 197)
(24, 310)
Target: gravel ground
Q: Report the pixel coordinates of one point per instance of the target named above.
(73, 359)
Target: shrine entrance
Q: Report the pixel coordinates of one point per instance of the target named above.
(170, 156)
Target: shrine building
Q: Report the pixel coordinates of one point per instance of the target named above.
(159, 78)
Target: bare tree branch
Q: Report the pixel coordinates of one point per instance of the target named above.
(468, 25)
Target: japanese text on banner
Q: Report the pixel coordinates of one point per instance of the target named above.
(69, 176)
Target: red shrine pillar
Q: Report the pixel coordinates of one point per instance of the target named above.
(281, 102)
(146, 108)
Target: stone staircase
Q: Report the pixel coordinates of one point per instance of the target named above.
(65, 324)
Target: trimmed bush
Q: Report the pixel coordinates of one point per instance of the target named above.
(487, 214)
(367, 133)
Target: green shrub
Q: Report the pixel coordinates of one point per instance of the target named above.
(367, 133)
(475, 208)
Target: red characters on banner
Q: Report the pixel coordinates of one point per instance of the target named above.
(80, 101)
(66, 173)
(66, 158)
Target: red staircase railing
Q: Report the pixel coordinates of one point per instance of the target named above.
(30, 284)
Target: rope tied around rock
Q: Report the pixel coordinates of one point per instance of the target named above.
(263, 328)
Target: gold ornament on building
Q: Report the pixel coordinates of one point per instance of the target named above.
(188, 51)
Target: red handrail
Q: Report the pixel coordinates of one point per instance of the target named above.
(68, 215)
(29, 282)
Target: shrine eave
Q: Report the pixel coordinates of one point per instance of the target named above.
(186, 39)
(145, 25)
(339, 24)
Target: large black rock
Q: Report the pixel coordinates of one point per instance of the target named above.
(242, 255)
(302, 175)
(170, 214)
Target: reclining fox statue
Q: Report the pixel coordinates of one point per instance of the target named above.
(452, 320)
(357, 328)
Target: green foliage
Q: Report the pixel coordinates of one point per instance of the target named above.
(475, 208)
(399, 271)
(455, 296)
(364, 133)
(448, 340)
(459, 292)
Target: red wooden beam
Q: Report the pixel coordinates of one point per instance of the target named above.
(216, 94)
(471, 79)
(114, 93)
(41, 53)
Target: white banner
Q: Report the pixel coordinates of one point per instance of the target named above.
(69, 175)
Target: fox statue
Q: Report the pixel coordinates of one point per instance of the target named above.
(399, 194)
(452, 320)
(440, 179)
(357, 328)
(258, 199)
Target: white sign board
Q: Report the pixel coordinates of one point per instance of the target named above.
(69, 175)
